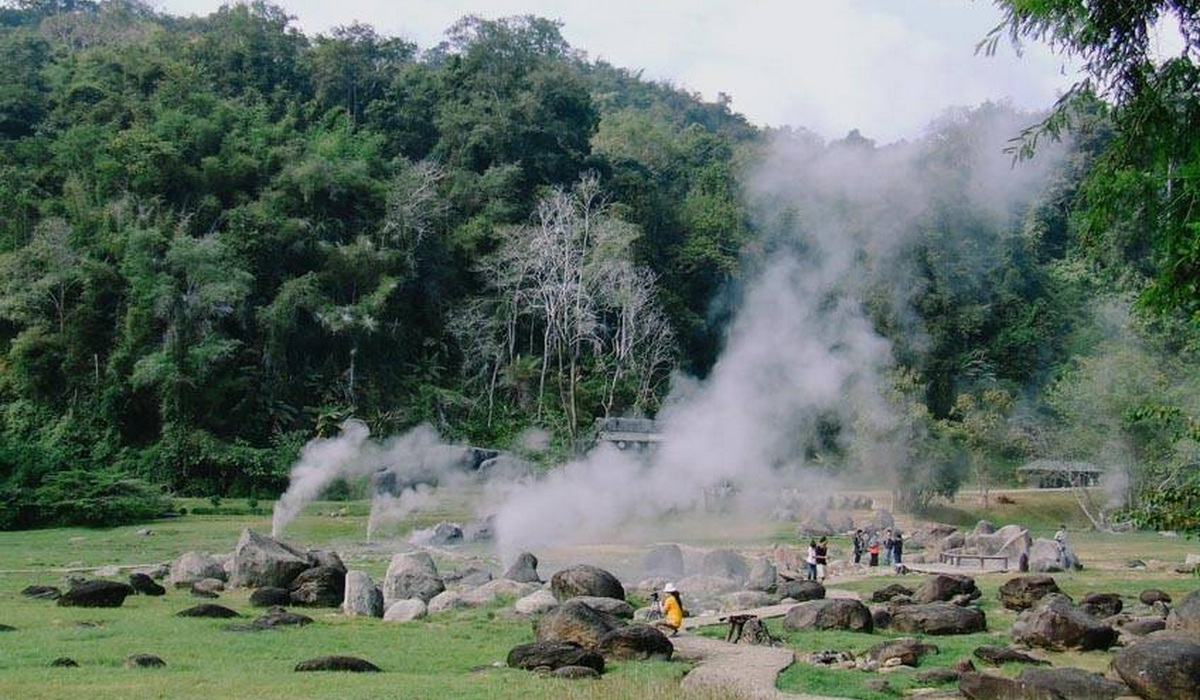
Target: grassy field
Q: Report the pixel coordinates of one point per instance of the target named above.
(452, 656)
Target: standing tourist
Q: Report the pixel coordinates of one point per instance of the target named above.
(822, 557)
(873, 549)
(860, 544)
(810, 561)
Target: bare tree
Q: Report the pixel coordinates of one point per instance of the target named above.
(567, 293)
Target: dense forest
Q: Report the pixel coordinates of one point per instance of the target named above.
(222, 238)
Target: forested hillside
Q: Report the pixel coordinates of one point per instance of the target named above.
(222, 238)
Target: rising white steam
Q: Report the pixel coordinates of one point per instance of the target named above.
(800, 351)
(402, 469)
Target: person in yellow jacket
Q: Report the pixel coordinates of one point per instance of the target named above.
(672, 610)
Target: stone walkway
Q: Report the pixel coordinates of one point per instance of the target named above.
(745, 669)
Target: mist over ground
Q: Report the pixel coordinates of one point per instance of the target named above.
(839, 221)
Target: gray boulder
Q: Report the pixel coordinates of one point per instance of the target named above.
(447, 600)
(194, 566)
(609, 606)
(762, 576)
(535, 603)
(208, 588)
(889, 592)
(1072, 683)
(524, 569)
(903, 651)
(406, 610)
(827, 614)
(95, 594)
(208, 610)
(725, 563)
(664, 560)
(996, 655)
(937, 619)
(142, 583)
(585, 580)
(270, 596)
(1150, 596)
(1057, 624)
(800, 590)
(744, 600)
(344, 664)
(636, 642)
(576, 622)
(1023, 592)
(324, 557)
(320, 587)
(261, 561)
(363, 598)
(1101, 604)
(1162, 666)
(554, 655)
(944, 587)
(411, 575)
(1186, 614)
(144, 661)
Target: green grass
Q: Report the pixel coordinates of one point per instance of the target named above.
(451, 656)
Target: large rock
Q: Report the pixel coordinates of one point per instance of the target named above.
(996, 655)
(208, 610)
(406, 610)
(1186, 614)
(745, 600)
(524, 569)
(261, 561)
(96, 594)
(320, 587)
(208, 588)
(665, 561)
(636, 642)
(903, 651)
(762, 576)
(1057, 624)
(492, 591)
(1072, 683)
(1043, 556)
(890, 591)
(350, 664)
(584, 579)
(937, 619)
(1101, 604)
(725, 563)
(191, 567)
(1039, 684)
(554, 655)
(1150, 596)
(1010, 541)
(1162, 666)
(609, 606)
(800, 591)
(829, 614)
(41, 592)
(1023, 592)
(577, 622)
(447, 600)
(944, 587)
(142, 583)
(324, 557)
(270, 596)
(707, 588)
(411, 575)
(535, 603)
(363, 598)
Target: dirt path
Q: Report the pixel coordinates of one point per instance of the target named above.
(745, 669)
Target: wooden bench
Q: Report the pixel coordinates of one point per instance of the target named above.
(956, 559)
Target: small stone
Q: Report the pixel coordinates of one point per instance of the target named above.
(144, 661)
(64, 662)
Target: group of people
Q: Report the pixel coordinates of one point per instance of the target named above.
(816, 559)
(872, 543)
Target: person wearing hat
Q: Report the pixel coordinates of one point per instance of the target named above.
(672, 610)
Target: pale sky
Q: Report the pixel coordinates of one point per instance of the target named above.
(885, 67)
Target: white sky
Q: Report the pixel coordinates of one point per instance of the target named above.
(886, 67)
